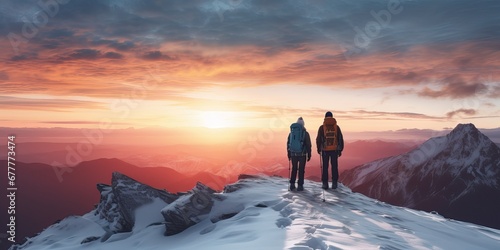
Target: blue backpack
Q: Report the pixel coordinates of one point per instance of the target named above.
(296, 138)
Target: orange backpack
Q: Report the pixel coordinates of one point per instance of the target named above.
(330, 132)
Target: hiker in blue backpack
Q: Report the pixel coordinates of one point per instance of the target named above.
(330, 143)
(299, 151)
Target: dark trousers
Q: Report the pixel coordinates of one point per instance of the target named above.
(332, 157)
(298, 163)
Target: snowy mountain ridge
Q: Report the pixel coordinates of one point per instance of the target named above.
(463, 134)
(259, 213)
(437, 175)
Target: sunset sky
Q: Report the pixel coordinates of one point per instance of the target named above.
(377, 65)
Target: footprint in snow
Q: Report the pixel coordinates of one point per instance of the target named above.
(208, 229)
(283, 222)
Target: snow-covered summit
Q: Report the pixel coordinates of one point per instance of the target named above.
(259, 213)
(457, 175)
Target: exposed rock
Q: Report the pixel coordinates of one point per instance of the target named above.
(233, 187)
(119, 201)
(89, 239)
(188, 209)
(248, 176)
(242, 182)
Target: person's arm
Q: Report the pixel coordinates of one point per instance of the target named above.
(308, 145)
(288, 147)
(319, 139)
(340, 144)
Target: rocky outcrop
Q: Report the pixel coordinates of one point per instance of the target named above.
(241, 183)
(120, 200)
(188, 209)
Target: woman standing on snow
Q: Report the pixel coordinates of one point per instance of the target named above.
(298, 148)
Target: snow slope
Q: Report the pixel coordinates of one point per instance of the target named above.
(266, 216)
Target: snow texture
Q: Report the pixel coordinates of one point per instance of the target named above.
(259, 213)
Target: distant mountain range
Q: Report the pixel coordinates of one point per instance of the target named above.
(457, 175)
(225, 161)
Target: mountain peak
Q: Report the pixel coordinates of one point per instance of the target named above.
(449, 174)
(466, 137)
(459, 144)
(461, 129)
(465, 126)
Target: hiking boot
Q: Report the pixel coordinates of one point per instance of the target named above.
(300, 188)
(292, 187)
(325, 186)
(334, 185)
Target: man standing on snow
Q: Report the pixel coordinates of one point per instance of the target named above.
(330, 144)
(298, 147)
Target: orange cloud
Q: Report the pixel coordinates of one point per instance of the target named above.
(177, 68)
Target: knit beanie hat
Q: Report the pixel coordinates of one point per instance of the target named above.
(328, 114)
(301, 121)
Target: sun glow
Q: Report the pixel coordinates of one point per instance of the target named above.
(218, 119)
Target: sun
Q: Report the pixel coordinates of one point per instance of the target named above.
(217, 119)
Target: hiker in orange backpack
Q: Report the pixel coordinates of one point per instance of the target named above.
(330, 143)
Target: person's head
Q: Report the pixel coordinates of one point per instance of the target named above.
(301, 121)
(328, 114)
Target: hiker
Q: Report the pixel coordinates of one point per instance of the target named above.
(330, 143)
(299, 150)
